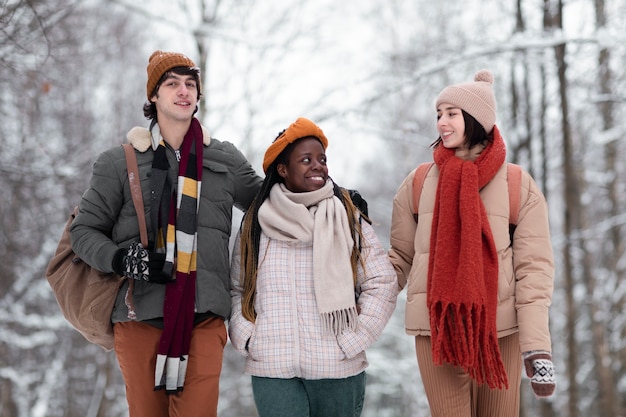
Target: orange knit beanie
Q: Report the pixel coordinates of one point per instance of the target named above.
(299, 129)
(159, 63)
(476, 99)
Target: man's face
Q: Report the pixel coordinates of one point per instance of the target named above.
(176, 98)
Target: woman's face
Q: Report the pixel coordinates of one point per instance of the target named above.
(450, 125)
(306, 168)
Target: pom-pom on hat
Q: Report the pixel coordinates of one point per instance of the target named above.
(475, 98)
(159, 63)
(299, 129)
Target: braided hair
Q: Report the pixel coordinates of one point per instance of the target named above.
(251, 233)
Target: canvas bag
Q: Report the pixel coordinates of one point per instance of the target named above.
(87, 296)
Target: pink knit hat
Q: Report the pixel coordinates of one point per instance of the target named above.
(476, 98)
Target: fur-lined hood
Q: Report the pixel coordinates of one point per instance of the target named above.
(141, 138)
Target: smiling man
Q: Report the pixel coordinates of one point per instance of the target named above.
(169, 325)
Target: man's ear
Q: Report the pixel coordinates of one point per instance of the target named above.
(156, 94)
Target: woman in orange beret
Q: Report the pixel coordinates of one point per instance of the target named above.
(312, 287)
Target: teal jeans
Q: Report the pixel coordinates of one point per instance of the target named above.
(296, 397)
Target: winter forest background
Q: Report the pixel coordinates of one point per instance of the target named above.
(72, 83)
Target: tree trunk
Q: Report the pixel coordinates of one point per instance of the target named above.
(570, 216)
(614, 247)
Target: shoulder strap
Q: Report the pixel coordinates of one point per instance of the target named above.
(514, 180)
(135, 191)
(418, 183)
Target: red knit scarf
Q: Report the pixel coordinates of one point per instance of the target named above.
(463, 267)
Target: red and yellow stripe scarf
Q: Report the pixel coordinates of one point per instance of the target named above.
(180, 256)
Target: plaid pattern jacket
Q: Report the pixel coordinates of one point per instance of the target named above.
(287, 340)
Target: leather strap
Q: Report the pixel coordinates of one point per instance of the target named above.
(135, 191)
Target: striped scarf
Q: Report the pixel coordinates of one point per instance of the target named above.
(463, 267)
(179, 242)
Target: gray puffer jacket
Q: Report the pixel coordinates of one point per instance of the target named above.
(107, 220)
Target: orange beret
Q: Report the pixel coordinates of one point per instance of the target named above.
(299, 129)
(159, 63)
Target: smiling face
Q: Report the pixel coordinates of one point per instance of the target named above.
(305, 169)
(450, 125)
(176, 98)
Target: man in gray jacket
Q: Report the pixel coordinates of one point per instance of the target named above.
(169, 325)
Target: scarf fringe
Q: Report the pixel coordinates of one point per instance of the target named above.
(170, 373)
(339, 321)
(458, 340)
(128, 300)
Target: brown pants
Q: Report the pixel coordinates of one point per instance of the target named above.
(136, 349)
(452, 393)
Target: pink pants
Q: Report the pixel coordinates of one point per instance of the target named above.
(452, 393)
(136, 349)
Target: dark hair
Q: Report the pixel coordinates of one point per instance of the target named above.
(474, 132)
(251, 232)
(149, 108)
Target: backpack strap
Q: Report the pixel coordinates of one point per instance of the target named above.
(514, 180)
(418, 183)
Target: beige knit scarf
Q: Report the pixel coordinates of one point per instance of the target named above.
(318, 217)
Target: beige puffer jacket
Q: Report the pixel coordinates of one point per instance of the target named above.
(526, 268)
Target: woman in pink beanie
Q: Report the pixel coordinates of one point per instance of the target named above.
(478, 287)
